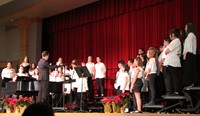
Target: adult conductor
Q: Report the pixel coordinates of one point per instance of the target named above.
(43, 79)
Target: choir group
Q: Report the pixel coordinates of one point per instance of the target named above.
(163, 63)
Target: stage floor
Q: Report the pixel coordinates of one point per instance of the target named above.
(105, 114)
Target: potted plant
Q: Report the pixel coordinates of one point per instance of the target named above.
(9, 104)
(125, 97)
(24, 102)
(117, 102)
(107, 104)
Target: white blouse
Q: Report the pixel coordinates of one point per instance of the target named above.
(173, 58)
(117, 81)
(55, 79)
(151, 64)
(75, 76)
(35, 76)
(190, 44)
(90, 67)
(131, 72)
(164, 55)
(100, 69)
(31, 72)
(124, 81)
(8, 73)
(141, 73)
(82, 84)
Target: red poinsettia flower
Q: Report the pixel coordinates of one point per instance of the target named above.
(25, 101)
(106, 100)
(125, 95)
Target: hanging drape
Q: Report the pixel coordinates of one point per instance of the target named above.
(115, 29)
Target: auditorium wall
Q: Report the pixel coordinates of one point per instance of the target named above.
(10, 43)
(34, 49)
(2, 43)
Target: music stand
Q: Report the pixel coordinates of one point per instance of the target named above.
(82, 72)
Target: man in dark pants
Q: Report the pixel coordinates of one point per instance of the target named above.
(43, 67)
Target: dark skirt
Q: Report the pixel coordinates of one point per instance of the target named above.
(138, 85)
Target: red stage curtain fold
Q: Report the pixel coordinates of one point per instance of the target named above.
(115, 29)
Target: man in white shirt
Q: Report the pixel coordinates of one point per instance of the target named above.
(8, 73)
(172, 62)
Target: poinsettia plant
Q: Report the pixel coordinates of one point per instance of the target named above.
(25, 101)
(10, 102)
(106, 100)
(13, 102)
(118, 101)
(125, 97)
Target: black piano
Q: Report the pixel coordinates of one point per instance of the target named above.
(25, 86)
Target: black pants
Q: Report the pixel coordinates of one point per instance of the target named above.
(74, 95)
(43, 93)
(171, 79)
(68, 100)
(190, 70)
(119, 92)
(100, 86)
(152, 86)
(83, 99)
(90, 87)
(55, 99)
(160, 86)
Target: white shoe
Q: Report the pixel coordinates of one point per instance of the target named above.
(126, 110)
(137, 111)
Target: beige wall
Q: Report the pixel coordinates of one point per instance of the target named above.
(10, 43)
(2, 43)
(35, 35)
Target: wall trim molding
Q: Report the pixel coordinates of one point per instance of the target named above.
(4, 63)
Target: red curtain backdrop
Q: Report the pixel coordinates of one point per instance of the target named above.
(115, 29)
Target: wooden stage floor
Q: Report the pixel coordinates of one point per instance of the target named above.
(105, 114)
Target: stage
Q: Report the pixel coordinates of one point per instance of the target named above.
(105, 114)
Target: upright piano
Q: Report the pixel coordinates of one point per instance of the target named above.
(25, 86)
